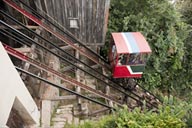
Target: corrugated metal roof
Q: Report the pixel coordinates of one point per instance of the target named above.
(130, 42)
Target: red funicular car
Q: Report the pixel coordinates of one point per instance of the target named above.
(128, 54)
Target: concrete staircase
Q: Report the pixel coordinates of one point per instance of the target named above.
(63, 116)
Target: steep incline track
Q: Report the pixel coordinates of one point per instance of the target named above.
(62, 76)
(20, 37)
(63, 88)
(83, 50)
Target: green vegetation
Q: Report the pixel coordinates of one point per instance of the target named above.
(163, 28)
(185, 74)
(167, 28)
(171, 115)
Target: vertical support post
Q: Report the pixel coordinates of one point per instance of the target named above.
(27, 65)
(50, 92)
(46, 113)
(107, 90)
(78, 89)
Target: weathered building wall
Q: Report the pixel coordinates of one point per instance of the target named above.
(91, 16)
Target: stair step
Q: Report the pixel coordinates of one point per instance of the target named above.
(59, 124)
(62, 115)
(66, 106)
(57, 119)
(63, 111)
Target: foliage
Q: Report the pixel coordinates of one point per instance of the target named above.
(169, 68)
(185, 7)
(149, 119)
(172, 114)
(104, 122)
(182, 108)
(163, 28)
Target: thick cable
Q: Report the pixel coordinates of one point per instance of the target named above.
(72, 57)
(19, 33)
(67, 33)
(63, 88)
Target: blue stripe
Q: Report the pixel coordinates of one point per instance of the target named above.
(132, 42)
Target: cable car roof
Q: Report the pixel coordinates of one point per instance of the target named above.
(130, 42)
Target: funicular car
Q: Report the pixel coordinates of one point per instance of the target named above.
(128, 54)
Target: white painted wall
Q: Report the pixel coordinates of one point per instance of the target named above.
(13, 90)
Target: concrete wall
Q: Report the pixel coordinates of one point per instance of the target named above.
(13, 91)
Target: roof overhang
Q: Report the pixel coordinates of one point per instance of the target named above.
(130, 42)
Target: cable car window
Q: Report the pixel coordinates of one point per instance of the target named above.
(114, 53)
(122, 60)
(136, 58)
(113, 48)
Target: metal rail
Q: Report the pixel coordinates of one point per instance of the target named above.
(57, 47)
(115, 87)
(68, 33)
(82, 50)
(72, 57)
(64, 30)
(62, 76)
(112, 82)
(63, 88)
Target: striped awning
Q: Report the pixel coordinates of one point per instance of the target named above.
(130, 42)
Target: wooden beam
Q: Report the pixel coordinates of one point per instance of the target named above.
(99, 111)
(23, 50)
(19, 27)
(67, 47)
(58, 98)
(66, 68)
(94, 44)
(95, 66)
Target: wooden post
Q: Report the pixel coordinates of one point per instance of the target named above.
(32, 53)
(107, 90)
(78, 89)
(46, 113)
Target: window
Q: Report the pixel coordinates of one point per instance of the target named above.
(114, 54)
(123, 59)
(137, 58)
(73, 22)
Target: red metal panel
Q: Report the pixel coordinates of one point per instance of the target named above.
(15, 53)
(142, 43)
(123, 72)
(120, 43)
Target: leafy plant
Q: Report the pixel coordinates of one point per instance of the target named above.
(170, 115)
(166, 33)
